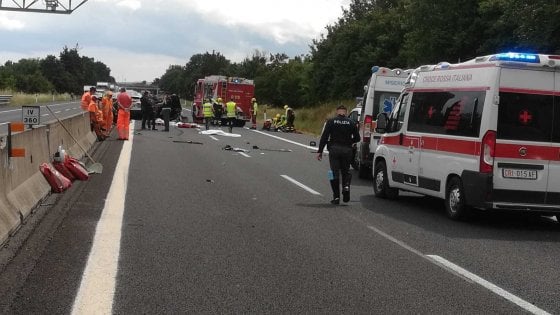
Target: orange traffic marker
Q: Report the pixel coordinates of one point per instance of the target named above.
(17, 152)
(17, 126)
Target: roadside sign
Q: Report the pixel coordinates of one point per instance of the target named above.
(31, 115)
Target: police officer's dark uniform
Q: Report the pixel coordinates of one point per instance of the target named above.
(339, 134)
(147, 112)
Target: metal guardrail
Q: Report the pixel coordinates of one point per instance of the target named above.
(5, 100)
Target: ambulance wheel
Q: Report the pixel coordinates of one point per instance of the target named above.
(381, 187)
(455, 200)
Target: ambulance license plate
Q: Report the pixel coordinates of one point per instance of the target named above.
(519, 174)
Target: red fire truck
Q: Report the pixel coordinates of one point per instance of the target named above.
(217, 86)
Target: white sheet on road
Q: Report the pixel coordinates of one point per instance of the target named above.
(218, 132)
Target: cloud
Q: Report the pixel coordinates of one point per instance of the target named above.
(130, 4)
(9, 24)
(139, 39)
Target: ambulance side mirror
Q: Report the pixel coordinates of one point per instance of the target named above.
(382, 122)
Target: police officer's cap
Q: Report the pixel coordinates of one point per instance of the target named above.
(341, 107)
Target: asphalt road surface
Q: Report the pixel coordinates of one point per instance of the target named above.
(173, 226)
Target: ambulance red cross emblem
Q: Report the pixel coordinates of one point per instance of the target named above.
(525, 117)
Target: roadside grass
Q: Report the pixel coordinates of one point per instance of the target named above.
(19, 99)
(309, 119)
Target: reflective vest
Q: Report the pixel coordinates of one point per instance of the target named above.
(207, 109)
(255, 108)
(231, 107)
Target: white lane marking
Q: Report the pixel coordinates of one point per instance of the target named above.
(97, 288)
(45, 115)
(58, 112)
(244, 154)
(463, 273)
(68, 109)
(214, 138)
(396, 241)
(314, 192)
(488, 285)
(290, 141)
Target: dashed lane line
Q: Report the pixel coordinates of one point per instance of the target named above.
(286, 140)
(461, 272)
(214, 138)
(244, 154)
(97, 288)
(490, 286)
(300, 185)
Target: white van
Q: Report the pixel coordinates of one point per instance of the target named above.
(484, 133)
(380, 94)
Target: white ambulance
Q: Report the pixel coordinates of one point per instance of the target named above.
(380, 94)
(480, 134)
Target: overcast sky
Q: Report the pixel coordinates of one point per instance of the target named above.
(139, 39)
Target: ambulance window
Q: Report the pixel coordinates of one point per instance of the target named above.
(384, 102)
(525, 117)
(452, 112)
(398, 113)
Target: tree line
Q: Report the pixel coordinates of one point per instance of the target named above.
(66, 74)
(391, 33)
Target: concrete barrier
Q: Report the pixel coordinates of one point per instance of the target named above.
(22, 185)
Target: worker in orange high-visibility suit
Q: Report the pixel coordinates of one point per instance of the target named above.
(107, 109)
(123, 120)
(86, 98)
(96, 118)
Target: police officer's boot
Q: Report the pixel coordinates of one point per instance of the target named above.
(346, 179)
(335, 185)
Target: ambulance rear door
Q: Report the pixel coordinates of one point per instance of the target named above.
(523, 142)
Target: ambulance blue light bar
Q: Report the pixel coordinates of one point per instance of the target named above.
(519, 57)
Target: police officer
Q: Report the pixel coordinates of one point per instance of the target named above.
(147, 111)
(339, 134)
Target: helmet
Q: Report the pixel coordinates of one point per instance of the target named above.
(253, 99)
(219, 99)
(277, 115)
(109, 93)
(286, 106)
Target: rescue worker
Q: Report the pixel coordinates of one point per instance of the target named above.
(207, 112)
(218, 110)
(290, 117)
(339, 134)
(254, 111)
(176, 108)
(231, 107)
(147, 111)
(123, 121)
(107, 109)
(86, 98)
(96, 118)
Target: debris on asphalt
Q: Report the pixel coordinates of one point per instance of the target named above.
(218, 132)
(230, 148)
(187, 125)
(274, 150)
(312, 144)
(210, 181)
(187, 141)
